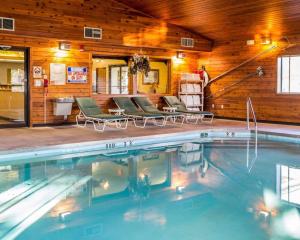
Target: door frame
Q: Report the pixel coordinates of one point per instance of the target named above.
(26, 122)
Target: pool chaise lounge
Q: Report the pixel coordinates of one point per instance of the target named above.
(173, 101)
(131, 111)
(147, 106)
(90, 112)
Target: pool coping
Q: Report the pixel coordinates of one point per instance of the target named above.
(122, 143)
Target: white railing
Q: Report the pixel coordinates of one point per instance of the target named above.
(250, 110)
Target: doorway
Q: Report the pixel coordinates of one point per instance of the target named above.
(14, 87)
(110, 75)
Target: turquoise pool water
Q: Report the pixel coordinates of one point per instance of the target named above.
(188, 191)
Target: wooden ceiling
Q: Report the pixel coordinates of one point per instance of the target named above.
(122, 25)
(226, 19)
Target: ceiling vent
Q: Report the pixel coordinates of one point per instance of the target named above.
(7, 24)
(92, 33)
(187, 42)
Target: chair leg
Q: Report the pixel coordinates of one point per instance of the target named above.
(192, 122)
(175, 118)
(119, 124)
(164, 122)
(140, 126)
(101, 129)
(210, 119)
(182, 121)
(78, 117)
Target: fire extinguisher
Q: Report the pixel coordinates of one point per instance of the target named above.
(203, 75)
(46, 84)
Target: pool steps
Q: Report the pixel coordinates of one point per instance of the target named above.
(14, 220)
(21, 191)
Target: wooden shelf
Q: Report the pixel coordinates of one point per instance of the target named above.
(187, 78)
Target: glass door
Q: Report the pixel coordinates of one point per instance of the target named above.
(13, 87)
(118, 79)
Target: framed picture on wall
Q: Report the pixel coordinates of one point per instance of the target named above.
(153, 77)
(77, 74)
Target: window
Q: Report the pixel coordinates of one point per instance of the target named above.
(110, 76)
(288, 185)
(118, 79)
(288, 74)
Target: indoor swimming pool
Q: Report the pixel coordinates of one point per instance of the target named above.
(221, 189)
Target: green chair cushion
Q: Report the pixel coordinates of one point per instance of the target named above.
(145, 114)
(173, 101)
(107, 116)
(88, 106)
(197, 112)
(126, 104)
(148, 106)
(145, 104)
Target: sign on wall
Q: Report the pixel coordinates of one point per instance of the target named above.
(57, 74)
(77, 75)
(37, 72)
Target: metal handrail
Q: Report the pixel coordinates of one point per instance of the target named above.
(250, 110)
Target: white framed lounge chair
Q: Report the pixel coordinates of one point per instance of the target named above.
(90, 112)
(202, 116)
(132, 112)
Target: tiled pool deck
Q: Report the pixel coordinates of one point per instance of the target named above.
(16, 138)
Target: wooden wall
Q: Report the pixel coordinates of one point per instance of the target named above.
(44, 51)
(41, 24)
(122, 26)
(269, 105)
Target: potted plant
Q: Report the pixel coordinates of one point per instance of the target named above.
(140, 64)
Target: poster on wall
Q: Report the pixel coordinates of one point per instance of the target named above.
(57, 74)
(37, 72)
(77, 75)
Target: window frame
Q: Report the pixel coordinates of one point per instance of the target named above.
(279, 90)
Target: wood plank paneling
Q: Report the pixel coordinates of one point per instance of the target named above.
(43, 52)
(122, 26)
(226, 20)
(41, 24)
(269, 105)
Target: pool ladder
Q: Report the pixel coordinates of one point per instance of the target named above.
(250, 110)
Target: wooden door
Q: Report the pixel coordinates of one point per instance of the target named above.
(101, 80)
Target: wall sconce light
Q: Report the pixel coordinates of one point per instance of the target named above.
(266, 40)
(180, 55)
(65, 46)
(250, 42)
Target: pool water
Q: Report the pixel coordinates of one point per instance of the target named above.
(214, 190)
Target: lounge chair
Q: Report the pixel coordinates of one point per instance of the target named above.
(131, 111)
(173, 101)
(91, 113)
(147, 106)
